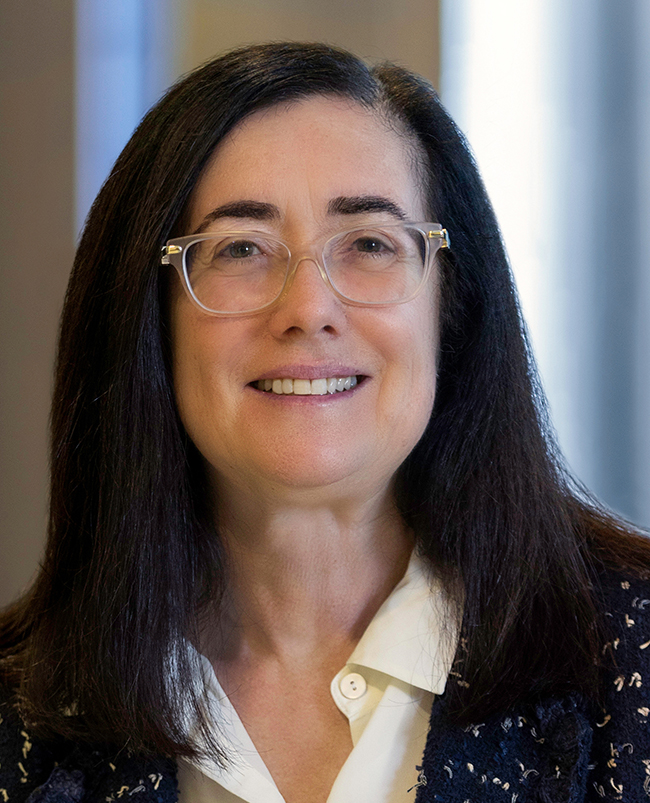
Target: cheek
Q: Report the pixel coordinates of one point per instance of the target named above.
(422, 343)
(189, 383)
(411, 365)
(186, 364)
(422, 380)
(198, 373)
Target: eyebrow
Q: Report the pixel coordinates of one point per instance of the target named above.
(359, 204)
(251, 210)
(343, 205)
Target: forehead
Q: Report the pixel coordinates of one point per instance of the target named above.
(300, 156)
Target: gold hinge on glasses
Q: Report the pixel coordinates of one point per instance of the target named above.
(440, 234)
(167, 251)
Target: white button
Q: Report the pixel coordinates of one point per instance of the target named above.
(353, 686)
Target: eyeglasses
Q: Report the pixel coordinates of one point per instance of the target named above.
(241, 272)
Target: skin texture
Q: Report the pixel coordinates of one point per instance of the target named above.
(304, 484)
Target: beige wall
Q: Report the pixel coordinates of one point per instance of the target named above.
(405, 31)
(37, 194)
(36, 237)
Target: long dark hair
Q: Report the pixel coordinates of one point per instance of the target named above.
(95, 651)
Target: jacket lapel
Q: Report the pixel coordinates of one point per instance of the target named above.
(536, 754)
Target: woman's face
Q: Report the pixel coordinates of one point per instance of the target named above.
(312, 163)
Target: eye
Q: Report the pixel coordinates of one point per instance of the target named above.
(369, 245)
(240, 249)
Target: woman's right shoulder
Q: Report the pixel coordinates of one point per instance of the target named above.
(25, 762)
(34, 770)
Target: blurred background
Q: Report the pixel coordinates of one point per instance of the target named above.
(554, 96)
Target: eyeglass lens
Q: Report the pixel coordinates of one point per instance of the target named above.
(237, 272)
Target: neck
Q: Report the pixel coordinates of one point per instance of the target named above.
(306, 579)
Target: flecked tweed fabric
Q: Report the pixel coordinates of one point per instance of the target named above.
(559, 751)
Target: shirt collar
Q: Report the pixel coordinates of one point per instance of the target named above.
(412, 637)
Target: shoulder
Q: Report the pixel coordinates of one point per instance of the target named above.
(624, 603)
(621, 732)
(36, 771)
(625, 600)
(563, 748)
(25, 763)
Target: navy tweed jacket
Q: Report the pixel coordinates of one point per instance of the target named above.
(559, 751)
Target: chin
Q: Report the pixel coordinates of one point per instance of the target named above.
(337, 476)
(318, 471)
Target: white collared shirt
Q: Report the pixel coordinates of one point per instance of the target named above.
(386, 691)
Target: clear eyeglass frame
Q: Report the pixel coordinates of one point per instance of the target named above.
(435, 237)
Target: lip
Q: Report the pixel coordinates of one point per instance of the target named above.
(319, 371)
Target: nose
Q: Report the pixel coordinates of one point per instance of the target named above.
(308, 304)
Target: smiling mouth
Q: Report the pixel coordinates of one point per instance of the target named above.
(308, 387)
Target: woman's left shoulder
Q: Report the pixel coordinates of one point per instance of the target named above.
(621, 733)
(624, 602)
(564, 747)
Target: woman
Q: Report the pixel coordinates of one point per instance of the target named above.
(301, 468)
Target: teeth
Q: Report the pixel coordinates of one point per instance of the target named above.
(307, 387)
(301, 387)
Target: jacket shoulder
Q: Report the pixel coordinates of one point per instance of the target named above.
(35, 771)
(620, 764)
(563, 749)
(25, 763)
